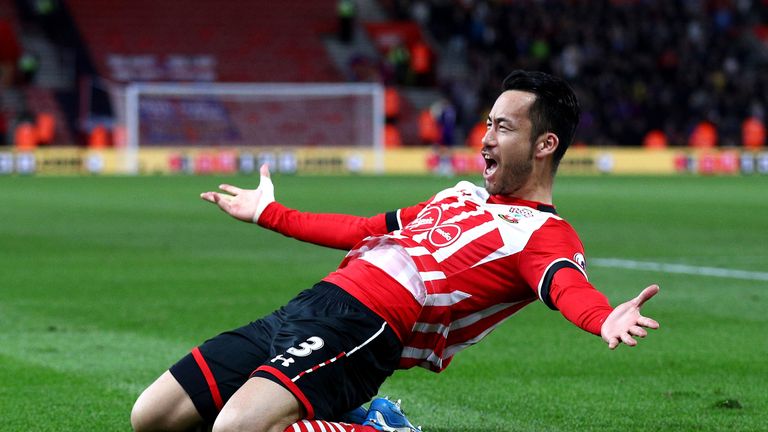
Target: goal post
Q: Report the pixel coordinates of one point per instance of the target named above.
(252, 117)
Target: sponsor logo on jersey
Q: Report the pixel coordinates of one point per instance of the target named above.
(521, 212)
(424, 220)
(438, 233)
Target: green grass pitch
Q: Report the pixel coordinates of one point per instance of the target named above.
(106, 281)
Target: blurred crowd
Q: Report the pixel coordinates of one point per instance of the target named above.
(684, 72)
(670, 68)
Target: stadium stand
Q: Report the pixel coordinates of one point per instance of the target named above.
(43, 102)
(10, 51)
(653, 65)
(230, 41)
(637, 65)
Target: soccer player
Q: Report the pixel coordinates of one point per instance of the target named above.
(418, 285)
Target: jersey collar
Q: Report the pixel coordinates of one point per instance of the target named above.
(502, 199)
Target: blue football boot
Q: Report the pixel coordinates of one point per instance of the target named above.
(356, 416)
(387, 416)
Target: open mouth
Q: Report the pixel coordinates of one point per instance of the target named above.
(490, 166)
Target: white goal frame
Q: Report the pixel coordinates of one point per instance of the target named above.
(134, 91)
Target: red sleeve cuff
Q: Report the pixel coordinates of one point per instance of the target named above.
(579, 301)
(271, 213)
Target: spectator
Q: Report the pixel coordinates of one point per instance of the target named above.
(652, 64)
(476, 134)
(45, 125)
(98, 139)
(28, 66)
(445, 114)
(753, 133)
(429, 130)
(346, 12)
(392, 138)
(400, 60)
(25, 136)
(655, 140)
(703, 136)
(391, 104)
(421, 63)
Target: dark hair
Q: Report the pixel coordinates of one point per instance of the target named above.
(555, 109)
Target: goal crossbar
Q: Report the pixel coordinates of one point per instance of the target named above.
(234, 91)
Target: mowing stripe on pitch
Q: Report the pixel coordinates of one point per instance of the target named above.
(679, 268)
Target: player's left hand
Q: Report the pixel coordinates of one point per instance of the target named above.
(625, 321)
(244, 204)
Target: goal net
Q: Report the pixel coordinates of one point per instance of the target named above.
(252, 117)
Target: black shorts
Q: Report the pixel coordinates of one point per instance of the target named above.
(328, 349)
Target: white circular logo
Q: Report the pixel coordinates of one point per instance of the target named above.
(579, 258)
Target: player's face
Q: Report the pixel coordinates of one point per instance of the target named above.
(507, 146)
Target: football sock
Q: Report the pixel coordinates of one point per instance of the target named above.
(324, 426)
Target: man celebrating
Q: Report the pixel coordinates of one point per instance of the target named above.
(418, 285)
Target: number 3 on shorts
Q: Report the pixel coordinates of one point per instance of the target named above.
(314, 343)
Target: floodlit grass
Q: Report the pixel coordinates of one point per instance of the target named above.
(106, 281)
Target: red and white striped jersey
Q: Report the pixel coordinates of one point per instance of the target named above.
(475, 261)
(446, 272)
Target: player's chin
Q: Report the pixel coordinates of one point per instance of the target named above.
(491, 181)
(488, 186)
(492, 187)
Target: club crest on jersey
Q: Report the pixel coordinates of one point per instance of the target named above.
(514, 214)
(508, 218)
(579, 259)
(430, 223)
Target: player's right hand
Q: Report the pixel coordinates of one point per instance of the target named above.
(625, 322)
(244, 204)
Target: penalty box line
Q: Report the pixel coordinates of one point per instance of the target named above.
(679, 268)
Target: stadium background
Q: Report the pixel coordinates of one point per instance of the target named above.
(687, 79)
(107, 279)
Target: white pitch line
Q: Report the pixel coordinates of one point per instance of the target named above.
(679, 268)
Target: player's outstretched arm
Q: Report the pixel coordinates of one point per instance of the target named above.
(340, 231)
(244, 204)
(625, 321)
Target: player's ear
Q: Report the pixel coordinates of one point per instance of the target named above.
(546, 144)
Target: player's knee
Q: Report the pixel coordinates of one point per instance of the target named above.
(151, 414)
(164, 405)
(146, 417)
(142, 418)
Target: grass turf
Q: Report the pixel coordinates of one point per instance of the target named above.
(106, 281)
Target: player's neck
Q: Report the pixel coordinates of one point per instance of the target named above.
(538, 188)
(536, 194)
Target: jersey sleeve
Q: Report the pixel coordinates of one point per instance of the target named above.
(553, 264)
(340, 231)
(554, 246)
(579, 301)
